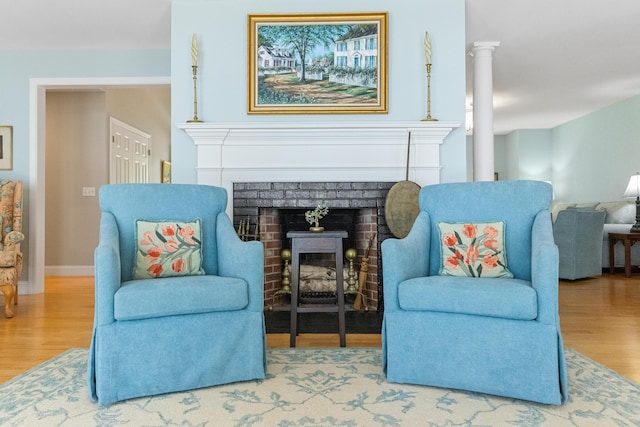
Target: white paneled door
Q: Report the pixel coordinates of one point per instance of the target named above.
(129, 153)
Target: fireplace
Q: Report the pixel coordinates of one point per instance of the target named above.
(277, 207)
(294, 164)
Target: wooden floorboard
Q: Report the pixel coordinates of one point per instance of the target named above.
(600, 318)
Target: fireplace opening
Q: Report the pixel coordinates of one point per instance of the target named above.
(277, 207)
(317, 278)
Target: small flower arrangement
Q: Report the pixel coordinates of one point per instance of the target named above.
(313, 217)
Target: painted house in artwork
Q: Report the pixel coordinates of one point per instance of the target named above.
(274, 57)
(358, 48)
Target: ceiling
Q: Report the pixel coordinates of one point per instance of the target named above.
(558, 59)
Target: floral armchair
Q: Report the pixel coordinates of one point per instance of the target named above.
(11, 233)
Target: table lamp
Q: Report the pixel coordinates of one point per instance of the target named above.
(633, 190)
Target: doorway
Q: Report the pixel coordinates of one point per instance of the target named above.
(37, 171)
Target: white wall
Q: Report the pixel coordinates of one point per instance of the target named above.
(222, 33)
(77, 156)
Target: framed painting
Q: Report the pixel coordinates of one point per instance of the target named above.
(320, 63)
(6, 147)
(166, 172)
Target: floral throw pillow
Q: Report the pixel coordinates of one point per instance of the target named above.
(473, 249)
(167, 248)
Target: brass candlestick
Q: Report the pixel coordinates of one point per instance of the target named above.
(429, 118)
(195, 96)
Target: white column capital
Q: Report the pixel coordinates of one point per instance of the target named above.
(478, 47)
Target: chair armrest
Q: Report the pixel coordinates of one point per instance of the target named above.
(12, 240)
(404, 259)
(544, 269)
(244, 260)
(107, 269)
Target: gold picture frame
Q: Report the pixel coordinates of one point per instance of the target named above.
(6, 147)
(318, 63)
(166, 172)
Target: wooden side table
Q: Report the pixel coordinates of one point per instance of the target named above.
(305, 242)
(628, 240)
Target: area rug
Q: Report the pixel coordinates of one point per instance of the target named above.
(314, 387)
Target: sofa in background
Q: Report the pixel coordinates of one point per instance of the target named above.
(619, 218)
(578, 235)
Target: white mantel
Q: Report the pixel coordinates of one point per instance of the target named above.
(317, 151)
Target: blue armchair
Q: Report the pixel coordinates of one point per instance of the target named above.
(495, 335)
(156, 335)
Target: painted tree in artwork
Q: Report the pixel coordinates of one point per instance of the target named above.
(302, 39)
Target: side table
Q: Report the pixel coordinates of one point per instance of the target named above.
(306, 242)
(628, 240)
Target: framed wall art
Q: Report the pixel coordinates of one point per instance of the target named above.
(166, 172)
(6, 147)
(319, 63)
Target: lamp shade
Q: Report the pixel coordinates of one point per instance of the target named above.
(633, 188)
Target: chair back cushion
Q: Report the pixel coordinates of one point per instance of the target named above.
(516, 203)
(164, 202)
(10, 206)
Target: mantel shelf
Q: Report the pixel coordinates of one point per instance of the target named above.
(364, 132)
(410, 125)
(349, 151)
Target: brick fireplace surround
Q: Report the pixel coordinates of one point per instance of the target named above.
(278, 155)
(261, 202)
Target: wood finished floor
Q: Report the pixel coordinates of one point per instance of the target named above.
(600, 318)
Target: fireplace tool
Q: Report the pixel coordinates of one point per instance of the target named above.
(360, 299)
(401, 206)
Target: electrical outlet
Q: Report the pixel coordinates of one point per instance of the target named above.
(88, 191)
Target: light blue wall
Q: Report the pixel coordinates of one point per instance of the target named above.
(18, 67)
(528, 154)
(594, 156)
(587, 159)
(221, 27)
(500, 157)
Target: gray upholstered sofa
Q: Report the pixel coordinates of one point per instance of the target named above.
(619, 218)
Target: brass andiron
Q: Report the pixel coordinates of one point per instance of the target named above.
(351, 254)
(286, 272)
(195, 96)
(429, 118)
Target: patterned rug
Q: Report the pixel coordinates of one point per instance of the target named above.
(314, 387)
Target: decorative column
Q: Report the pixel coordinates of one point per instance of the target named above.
(483, 152)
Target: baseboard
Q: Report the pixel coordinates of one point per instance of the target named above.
(69, 270)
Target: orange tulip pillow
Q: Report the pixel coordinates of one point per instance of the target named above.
(473, 249)
(167, 248)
